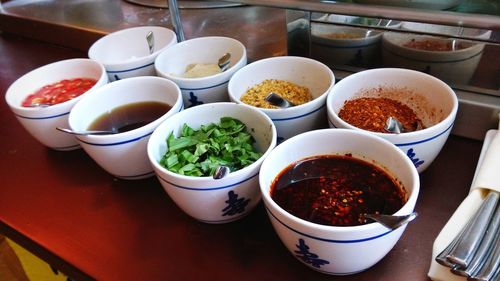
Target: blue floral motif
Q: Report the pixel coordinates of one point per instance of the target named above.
(416, 161)
(117, 78)
(308, 257)
(235, 205)
(193, 99)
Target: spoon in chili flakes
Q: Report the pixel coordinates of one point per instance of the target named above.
(394, 126)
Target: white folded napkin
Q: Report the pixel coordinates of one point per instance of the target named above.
(485, 179)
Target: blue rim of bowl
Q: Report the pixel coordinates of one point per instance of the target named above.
(408, 143)
(131, 69)
(204, 88)
(140, 176)
(210, 188)
(42, 118)
(329, 240)
(299, 116)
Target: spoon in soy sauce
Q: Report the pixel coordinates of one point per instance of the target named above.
(278, 100)
(224, 61)
(221, 172)
(84, 133)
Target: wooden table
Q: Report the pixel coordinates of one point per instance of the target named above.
(67, 210)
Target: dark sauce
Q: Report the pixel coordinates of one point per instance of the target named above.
(347, 188)
(130, 116)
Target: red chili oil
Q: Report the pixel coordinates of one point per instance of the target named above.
(345, 189)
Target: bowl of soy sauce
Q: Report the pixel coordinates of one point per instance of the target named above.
(129, 110)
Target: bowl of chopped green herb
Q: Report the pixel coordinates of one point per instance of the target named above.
(187, 149)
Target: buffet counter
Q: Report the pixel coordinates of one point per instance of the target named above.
(67, 210)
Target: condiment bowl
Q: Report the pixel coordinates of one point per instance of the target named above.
(125, 53)
(205, 198)
(123, 154)
(172, 64)
(432, 100)
(455, 66)
(41, 122)
(345, 45)
(309, 73)
(338, 250)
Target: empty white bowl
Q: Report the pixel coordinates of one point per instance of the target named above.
(337, 250)
(314, 75)
(125, 53)
(204, 198)
(432, 100)
(41, 122)
(123, 154)
(172, 64)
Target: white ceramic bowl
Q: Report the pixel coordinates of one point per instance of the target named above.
(172, 63)
(125, 53)
(433, 101)
(455, 66)
(363, 50)
(123, 154)
(204, 198)
(41, 122)
(447, 30)
(314, 75)
(337, 249)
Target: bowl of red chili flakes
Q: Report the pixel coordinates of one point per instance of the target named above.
(42, 98)
(319, 219)
(425, 105)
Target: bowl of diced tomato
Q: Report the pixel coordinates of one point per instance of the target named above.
(42, 98)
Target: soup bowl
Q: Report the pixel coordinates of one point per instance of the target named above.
(124, 154)
(41, 122)
(337, 250)
(125, 53)
(205, 198)
(432, 100)
(173, 63)
(305, 72)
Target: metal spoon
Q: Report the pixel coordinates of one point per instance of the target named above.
(224, 61)
(221, 172)
(150, 38)
(390, 221)
(394, 126)
(278, 100)
(84, 133)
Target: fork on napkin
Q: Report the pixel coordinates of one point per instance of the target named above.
(456, 264)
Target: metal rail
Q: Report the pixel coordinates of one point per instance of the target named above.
(386, 12)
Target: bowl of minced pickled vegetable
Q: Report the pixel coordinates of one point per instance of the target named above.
(188, 148)
(304, 82)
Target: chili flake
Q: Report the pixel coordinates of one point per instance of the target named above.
(371, 114)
